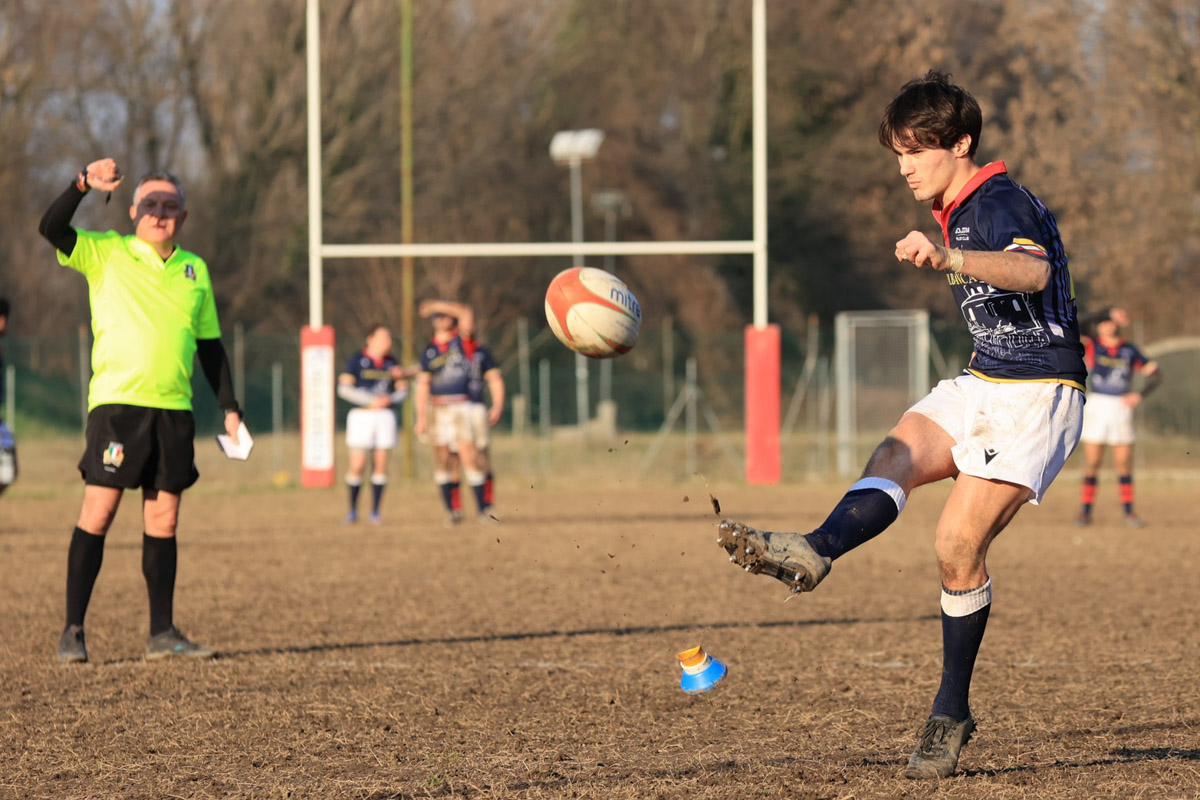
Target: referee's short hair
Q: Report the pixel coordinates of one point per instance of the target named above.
(4, 306)
(160, 175)
(931, 112)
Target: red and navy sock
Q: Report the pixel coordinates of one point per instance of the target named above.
(1125, 487)
(1088, 494)
(867, 509)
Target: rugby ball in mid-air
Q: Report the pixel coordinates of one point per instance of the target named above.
(593, 312)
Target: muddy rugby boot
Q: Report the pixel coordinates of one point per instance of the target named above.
(787, 557)
(71, 646)
(937, 751)
(173, 644)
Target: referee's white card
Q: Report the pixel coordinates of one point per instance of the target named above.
(239, 451)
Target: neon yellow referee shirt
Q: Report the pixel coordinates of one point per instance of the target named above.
(146, 317)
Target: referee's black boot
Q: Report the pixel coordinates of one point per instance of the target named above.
(71, 646)
(173, 644)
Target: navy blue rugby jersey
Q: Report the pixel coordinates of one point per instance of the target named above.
(374, 376)
(1019, 336)
(481, 362)
(1112, 368)
(449, 366)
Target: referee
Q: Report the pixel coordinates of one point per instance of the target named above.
(152, 312)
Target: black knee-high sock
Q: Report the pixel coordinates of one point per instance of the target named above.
(83, 565)
(871, 505)
(964, 619)
(354, 490)
(376, 496)
(159, 558)
(448, 489)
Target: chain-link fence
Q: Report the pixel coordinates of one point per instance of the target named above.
(644, 396)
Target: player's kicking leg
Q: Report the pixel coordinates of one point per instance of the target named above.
(915, 452)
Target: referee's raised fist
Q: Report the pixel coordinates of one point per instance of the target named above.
(104, 175)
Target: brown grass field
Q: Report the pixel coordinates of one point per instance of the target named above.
(535, 658)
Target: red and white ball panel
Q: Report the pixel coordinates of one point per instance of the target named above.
(593, 312)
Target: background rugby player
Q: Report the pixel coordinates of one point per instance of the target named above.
(373, 383)
(1108, 417)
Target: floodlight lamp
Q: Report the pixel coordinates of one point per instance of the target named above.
(571, 146)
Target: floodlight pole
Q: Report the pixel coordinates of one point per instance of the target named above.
(581, 365)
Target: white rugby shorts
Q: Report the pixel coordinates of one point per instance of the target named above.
(371, 429)
(1019, 432)
(1107, 420)
(461, 422)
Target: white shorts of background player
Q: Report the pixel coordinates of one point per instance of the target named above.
(371, 429)
(1107, 420)
(1019, 432)
(461, 422)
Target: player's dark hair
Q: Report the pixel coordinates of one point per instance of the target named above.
(931, 112)
(374, 329)
(4, 306)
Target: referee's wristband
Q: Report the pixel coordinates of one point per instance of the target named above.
(232, 409)
(81, 182)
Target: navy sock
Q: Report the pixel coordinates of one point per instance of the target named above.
(448, 490)
(83, 565)
(962, 633)
(376, 496)
(481, 496)
(354, 489)
(862, 514)
(159, 560)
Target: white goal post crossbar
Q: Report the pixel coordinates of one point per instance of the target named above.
(517, 249)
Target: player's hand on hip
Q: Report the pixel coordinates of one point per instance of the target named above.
(1132, 400)
(104, 175)
(918, 249)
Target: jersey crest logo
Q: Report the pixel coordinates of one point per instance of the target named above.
(114, 455)
(189, 272)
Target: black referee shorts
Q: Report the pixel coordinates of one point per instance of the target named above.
(132, 446)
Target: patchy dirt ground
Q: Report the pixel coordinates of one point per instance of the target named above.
(535, 658)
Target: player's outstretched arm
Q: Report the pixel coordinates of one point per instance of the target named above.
(56, 222)
(1015, 272)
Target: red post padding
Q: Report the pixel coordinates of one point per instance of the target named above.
(316, 407)
(762, 404)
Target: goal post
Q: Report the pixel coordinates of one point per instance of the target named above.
(762, 425)
(881, 366)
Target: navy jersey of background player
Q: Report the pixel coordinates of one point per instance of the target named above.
(481, 361)
(1112, 368)
(449, 367)
(374, 376)
(1024, 336)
